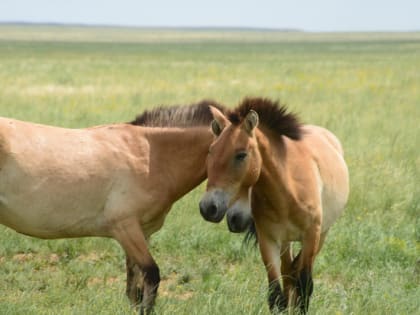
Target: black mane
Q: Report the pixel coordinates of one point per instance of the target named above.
(271, 114)
(178, 116)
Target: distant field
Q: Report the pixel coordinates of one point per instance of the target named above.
(77, 33)
(363, 87)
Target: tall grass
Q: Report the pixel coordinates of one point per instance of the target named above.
(365, 91)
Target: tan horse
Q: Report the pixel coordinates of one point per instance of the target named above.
(298, 184)
(116, 181)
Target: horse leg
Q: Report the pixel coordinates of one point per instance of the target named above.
(292, 298)
(300, 280)
(129, 234)
(321, 240)
(270, 255)
(304, 265)
(287, 270)
(134, 288)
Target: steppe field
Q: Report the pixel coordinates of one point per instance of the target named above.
(363, 87)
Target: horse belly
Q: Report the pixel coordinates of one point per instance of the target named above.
(51, 207)
(51, 227)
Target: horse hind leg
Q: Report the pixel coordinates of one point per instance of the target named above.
(131, 238)
(303, 265)
(304, 281)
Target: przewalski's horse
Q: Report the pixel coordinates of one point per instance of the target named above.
(116, 181)
(297, 180)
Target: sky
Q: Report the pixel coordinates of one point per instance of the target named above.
(307, 15)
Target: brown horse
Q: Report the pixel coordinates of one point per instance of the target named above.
(297, 182)
(116, 181)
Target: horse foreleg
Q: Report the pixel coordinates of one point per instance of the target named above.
(135, 285)
(131, 238)
(304, 265)
(286, 257)
(270, 255)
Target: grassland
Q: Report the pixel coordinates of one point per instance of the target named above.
(364, 87)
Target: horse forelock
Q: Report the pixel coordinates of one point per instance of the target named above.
(271, 114)
(198, 114)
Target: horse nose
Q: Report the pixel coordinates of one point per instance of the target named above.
(235, 223)
(211, 210)
(208, 210)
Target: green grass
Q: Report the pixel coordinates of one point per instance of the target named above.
(364, 87)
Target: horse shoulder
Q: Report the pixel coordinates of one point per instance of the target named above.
(302, 175)
(136, 191)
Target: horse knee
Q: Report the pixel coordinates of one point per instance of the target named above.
(276, 299)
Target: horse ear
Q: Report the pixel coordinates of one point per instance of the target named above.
(219, 122)
(251, 121)
(216, 128)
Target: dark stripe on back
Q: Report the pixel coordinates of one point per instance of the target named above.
(178, 116)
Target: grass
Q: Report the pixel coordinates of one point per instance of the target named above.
(364, 87)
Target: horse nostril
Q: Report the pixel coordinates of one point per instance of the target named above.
(234, 220)
(212, 210)
(208, 210)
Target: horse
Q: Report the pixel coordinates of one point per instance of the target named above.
(117, 181)
(289, 179)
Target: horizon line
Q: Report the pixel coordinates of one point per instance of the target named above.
(194, 28)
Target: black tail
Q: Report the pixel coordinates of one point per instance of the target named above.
(251, 235)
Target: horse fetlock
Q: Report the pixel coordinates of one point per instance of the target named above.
(277, 301)
(305, 287)
(135, 295)
(305, 284)
(147, 295)
(134, 290)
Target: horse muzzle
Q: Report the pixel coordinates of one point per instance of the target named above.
(237, 223)
(238, 218)
(213, 206)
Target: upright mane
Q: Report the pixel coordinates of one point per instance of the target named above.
(178, 116)
(271, 114)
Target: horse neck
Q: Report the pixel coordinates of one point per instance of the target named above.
(179, 155)
(273, 176)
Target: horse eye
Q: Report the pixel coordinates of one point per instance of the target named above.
(240, 156)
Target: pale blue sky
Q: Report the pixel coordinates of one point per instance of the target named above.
(309, 15)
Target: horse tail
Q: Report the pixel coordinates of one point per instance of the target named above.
(251, 235)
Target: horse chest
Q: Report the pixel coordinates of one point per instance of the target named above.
(288, 232)
(282, 231)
